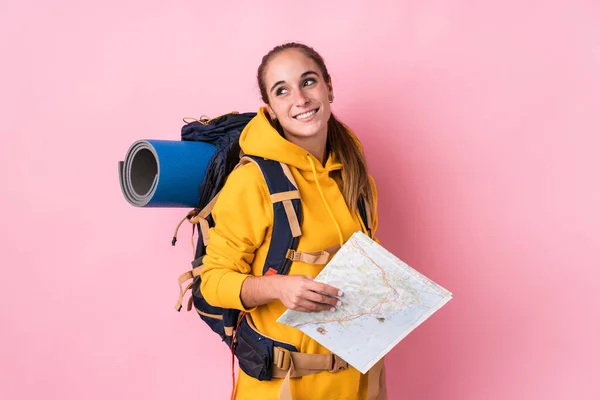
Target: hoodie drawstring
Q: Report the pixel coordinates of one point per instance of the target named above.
(337, 226)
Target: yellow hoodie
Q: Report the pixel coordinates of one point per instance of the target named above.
(240, 239)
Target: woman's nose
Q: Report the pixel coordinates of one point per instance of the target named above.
(300, 98)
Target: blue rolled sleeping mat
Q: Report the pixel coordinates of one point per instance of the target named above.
(186, 173)
(164, 173)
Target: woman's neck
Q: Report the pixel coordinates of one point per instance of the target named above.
(316, 145)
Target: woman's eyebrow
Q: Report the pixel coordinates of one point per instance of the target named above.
(308, 73)
(276, 84)
(304, 75)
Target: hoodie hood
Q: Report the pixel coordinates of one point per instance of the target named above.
(260, 138)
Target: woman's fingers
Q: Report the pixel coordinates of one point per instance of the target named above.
(324, 288)
(302, 309)
(320, 298)
(302, 293)
(311, 306)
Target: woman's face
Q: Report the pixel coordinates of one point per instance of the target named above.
(298, 95)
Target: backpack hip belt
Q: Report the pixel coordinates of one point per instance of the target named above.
(304, 363)
(264, 357)
(286, 359)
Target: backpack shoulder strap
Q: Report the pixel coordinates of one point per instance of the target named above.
(287, 214)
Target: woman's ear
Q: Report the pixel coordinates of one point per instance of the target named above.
(271, 113)
(330, 89)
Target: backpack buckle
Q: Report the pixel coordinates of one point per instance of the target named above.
(282, 358)
(338, 364)
(291, 255)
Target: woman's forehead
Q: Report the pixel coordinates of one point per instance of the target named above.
(288, 65)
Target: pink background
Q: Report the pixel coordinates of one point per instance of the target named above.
(480, 121)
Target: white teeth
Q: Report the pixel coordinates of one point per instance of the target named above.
(306, 114)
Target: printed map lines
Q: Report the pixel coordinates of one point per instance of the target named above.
(376, 309)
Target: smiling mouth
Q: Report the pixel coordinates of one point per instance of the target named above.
(307, 114)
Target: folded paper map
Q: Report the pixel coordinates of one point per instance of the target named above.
(383, 300)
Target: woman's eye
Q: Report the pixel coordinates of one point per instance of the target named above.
(280, 91)
(309, 82)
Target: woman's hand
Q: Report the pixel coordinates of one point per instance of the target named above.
(302, 293)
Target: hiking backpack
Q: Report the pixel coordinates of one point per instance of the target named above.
(256, 353)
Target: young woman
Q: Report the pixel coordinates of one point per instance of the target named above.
(295, 127)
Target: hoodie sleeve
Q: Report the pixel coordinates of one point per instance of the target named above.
(242, 218)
